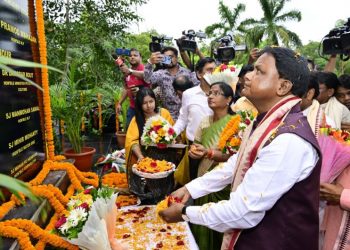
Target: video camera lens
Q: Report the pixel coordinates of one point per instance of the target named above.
(337, 41)
(188, 42)
(155, 47)
(157, 43)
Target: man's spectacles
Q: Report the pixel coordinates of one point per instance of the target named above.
(215, 93)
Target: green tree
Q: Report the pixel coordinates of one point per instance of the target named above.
(311, 51)
(270, 27)
(228, 23)
(87, 31)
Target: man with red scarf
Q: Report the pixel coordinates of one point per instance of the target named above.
(274, 176)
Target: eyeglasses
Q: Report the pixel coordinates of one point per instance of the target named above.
(215, 93)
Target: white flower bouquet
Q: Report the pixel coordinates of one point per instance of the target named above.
(91, 225)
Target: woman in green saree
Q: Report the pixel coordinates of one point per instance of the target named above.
(205, 148)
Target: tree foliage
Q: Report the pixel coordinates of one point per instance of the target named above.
(87, 32)
(229, 21)
(270, 27)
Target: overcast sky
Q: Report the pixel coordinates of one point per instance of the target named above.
(171, 17)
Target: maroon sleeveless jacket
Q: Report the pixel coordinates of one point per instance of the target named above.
(292, 223)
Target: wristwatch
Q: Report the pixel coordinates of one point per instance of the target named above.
(183, 214)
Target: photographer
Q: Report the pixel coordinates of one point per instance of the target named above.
(133, 82)
(164, 78)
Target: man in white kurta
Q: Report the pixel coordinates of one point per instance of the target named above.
(286, 161)
(194, 106)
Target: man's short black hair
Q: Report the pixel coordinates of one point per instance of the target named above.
(202, 62)
(245, 69)
(182, 83)
(329, 79)
(344, 81)
(169, 48)
(290, 66)
(136, 50)
(313, 84)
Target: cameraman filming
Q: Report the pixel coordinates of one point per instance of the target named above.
(186, 52)
(133, 82)
(164, 78)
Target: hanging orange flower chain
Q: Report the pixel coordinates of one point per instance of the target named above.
(21, 236)
(42, 191)
(45, 80)
(229, 131)
(36, 232)
(22, 229)
(55, 197)
(42, 244)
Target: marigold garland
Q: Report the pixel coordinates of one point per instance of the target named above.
(41, 244)
(6, 207)
(42, 191)
(38, 233)
(17, 228)
(59, 158)
(21, 236)
(58, 193)
(70, 191)
(76, 177)
(229, 131)
(45, 80)
(52, 194)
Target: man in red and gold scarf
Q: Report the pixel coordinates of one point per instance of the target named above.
(275, 175)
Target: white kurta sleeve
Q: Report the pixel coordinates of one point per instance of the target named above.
(181, 121)
(213, 181)
(286, 161)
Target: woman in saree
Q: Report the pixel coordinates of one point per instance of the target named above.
(205, 148)
(145, 107)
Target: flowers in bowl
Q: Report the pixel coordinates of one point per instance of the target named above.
(158, 131)
(149, 165)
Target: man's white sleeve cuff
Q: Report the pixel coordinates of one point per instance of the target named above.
(193, 213)
(195, 189)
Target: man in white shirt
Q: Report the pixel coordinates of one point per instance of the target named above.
(339, 113)
(194, 105)
(310, 106)
(274, 176)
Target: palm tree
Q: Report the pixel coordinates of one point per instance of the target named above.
(270, 28)
(228, 23)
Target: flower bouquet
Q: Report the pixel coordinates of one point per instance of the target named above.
(90, 220)
(226, 67)
(158, 131)
(232, 134)
(335, 147)
(224, 73)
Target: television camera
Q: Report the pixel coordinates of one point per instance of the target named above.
(157, 43)
(337, 41)
(188, 42)
(226, 51)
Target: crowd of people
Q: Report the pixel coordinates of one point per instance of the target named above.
(266, 195)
